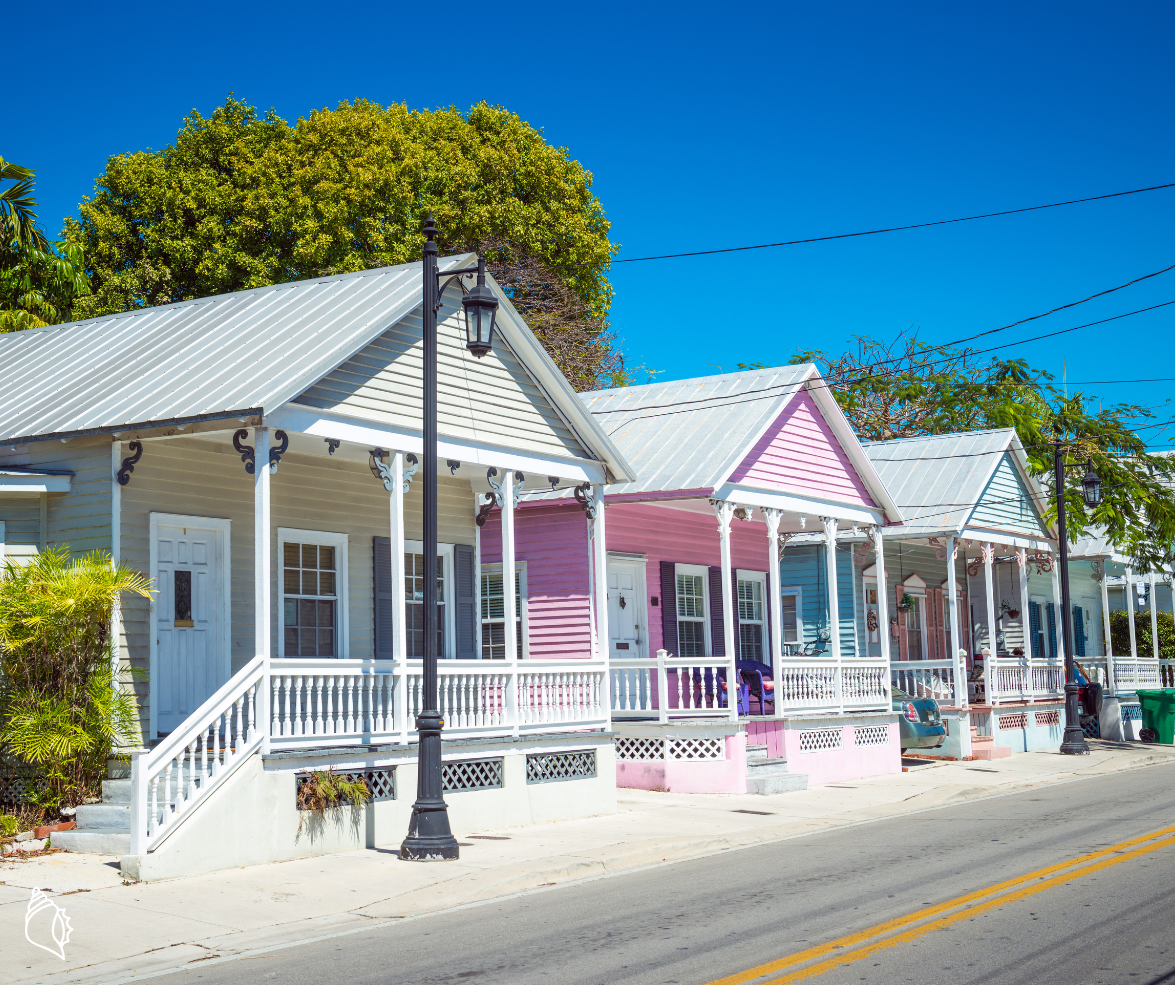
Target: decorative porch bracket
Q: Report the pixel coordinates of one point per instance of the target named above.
(128, 463)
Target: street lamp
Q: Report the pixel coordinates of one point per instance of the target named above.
(429, 836)
(1073, 743)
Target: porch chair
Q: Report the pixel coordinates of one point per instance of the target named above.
(754, 681)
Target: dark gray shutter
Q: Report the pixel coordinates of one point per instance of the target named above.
(717, 632)
(463, 589)
(1078, 632)
(738, 643)
(381, 552)
(1034, 627)
(669, 607)
(1051, 611)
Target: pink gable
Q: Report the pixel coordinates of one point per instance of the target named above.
(799, 453)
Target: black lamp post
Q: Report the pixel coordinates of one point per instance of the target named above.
(429, 836)
(1073, 743)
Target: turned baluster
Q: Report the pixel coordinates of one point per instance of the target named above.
(153, 820)
(287, 724)
(252, 713)
(275, 706)
(349, 726)
(192, 769)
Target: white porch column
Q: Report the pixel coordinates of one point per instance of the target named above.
(599, 566)
(510, 599)
(115, 551)
(989, 675)
(1109, 645)
(262, 575)
(882, 602)
(960, 662)
(830, 527)
(1058, 615)
(725, 512)
(774, 599)
(1154, 618)
(1130, 607)
(1025, 622)
(477, 576)
(399, 600)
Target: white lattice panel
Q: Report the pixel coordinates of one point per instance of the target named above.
(550, 766)
(820, 740)
(870, 735)
(1046, 718)
(1018, 720)
(697, 749)
(634, 748)
(471, 774)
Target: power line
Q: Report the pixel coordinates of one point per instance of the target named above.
(896, 229)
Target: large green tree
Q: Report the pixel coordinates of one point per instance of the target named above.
(243, 200)
(907, 388)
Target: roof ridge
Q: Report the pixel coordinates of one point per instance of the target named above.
(738, 375)
(937, 437)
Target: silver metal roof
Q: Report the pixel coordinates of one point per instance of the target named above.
(937, 479)
(685, 434)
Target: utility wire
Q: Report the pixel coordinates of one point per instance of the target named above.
(896, 229)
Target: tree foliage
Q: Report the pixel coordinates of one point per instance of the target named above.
(243, 200)
(908, 388)
(62, 709)
(1120, 634)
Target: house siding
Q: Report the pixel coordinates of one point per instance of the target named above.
(799, 453)
(492, 399)
(1006, 505)
(553, 542)
(21, 517)
(805, 565)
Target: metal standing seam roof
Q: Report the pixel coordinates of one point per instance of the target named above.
(937, 480)
(211, 358)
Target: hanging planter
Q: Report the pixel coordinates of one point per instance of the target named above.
(1012, 613)
(907, 602)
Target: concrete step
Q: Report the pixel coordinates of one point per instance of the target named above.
(116, 791)
(765, 782)
(104, 817)
(989, 750)
(98, 842)
(756, 754)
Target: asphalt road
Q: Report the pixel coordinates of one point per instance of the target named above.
(1108, 920)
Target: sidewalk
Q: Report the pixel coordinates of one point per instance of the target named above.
(124, 932)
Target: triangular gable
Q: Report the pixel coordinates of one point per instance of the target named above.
(494, 399)
(1006, 504)
(800, 453)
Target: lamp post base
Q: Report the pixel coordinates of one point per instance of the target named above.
(1073, 744)
(425, 845)
(429, 837)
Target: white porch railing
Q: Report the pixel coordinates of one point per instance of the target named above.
(1167, 673)
(1131, 674)
(925, 679)
(666, 687)
(819, 685)
(317, 703)
(1026, 679)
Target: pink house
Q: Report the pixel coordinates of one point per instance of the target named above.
(721, 678)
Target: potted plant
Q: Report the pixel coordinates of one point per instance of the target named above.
(907, 602)
(1012, 613)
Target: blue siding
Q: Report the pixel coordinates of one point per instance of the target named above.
(805, 566)
(1006, 505)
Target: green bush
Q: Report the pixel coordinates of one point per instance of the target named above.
(1120, 634)
(62, 709)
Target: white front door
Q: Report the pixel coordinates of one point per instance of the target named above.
(626, 608)
(190, 619)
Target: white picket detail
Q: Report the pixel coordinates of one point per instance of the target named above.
(820, 685)
(668, 687)
(925, 679)
(167, 782)
(1025, 679)
(1130, 675)
(1167, 673)
(559, 694)
(333, 702)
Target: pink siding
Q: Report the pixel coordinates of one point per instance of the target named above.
(665, 534)
(799, 453)
(553, 542)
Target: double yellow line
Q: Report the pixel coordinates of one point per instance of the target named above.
(865, 943)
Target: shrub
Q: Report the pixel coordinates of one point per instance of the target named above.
(62, 709)
(324, 790)
(1120, 634)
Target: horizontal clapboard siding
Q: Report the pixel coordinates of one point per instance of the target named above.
(492, 399)
(799, 453)
(553, 542)
(22, 526)
(1005, 503)
(804, 565)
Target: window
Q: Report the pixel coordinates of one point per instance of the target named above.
(791, 616)
(693, 612)
(414, 600)
(915, 638)
(752, 617)
(313, 579)
(493, 612)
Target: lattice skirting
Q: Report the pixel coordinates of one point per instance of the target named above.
(1017, 720)
(548, 767)
(870, 735)
(1047, 718)
(641, 749)
(1131, 713)
(1092, 729)
(381, 781)
(472, 774)
(16, 789)
(820, 740)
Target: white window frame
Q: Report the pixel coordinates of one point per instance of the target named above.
(798, 592)
(920, 599)
(322, 538)
(707, 607)
(524, 629)
(761, 578)
(445, 551)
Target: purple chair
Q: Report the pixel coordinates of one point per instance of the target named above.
(755, 681)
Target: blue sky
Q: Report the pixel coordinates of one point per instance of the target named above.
(720, 125)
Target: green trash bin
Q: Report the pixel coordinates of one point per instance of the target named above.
(1158, 713)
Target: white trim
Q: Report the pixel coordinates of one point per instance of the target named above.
(1001, 538)
(495, 568)
(356, 430)
(322, 538)
(22, 485)
(154, 522)
(449, 578)
(741, 574)
(1, 545)
(707, 605)
(914, 584)
(795, 503)
(624, 556)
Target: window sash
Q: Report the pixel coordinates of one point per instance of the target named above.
(414, 605)
(791, 623)
(312, 579)
(493, 617)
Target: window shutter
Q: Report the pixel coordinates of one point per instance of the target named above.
(717, 632)
(463, 592)
(1034, 627)
(1050, 612)
(903, 642)
(1078, 632)
(381, 552)
(669, 607)
(738, 643)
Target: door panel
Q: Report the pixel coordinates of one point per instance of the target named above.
(189, 621)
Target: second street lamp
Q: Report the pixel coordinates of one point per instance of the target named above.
(429, 835)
